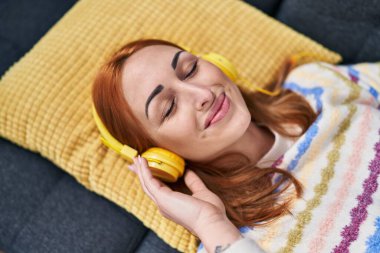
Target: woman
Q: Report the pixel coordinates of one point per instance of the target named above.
(155, 93)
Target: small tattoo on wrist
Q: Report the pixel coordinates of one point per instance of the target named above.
(220, 248)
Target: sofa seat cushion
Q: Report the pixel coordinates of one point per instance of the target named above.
(351, 28)
(44, 209)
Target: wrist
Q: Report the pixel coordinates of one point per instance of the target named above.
(220, 233)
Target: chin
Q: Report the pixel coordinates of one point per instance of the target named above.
(221, 141)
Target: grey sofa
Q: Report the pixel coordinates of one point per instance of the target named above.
(43, 209)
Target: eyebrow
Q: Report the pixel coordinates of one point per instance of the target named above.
(175, 59)
(154, 93)
(160, 87)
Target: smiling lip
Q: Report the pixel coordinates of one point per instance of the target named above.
(218, 111)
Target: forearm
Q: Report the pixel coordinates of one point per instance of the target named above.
(218, 234)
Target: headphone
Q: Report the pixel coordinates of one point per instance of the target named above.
(164, 164)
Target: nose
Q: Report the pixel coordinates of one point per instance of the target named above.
(202, 96)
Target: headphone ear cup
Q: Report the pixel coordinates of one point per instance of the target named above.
(164, 164)
(223, 64)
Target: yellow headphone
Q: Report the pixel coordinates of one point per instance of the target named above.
(165, 164)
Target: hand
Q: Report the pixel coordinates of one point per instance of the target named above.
(202, 209)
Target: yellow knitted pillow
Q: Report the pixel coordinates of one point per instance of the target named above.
(45, 98)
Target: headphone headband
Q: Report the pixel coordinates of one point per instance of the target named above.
(125, 151)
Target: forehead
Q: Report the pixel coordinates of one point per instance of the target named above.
(145, 69)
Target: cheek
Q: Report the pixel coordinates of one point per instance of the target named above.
(210, 73)
(179, 135)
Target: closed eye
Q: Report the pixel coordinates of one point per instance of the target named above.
(192, 69)
(169, 111)
(173, 104)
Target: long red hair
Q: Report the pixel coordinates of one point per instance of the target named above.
(248, 193)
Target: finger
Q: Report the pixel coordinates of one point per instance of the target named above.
(140, 169)
(143, 185)
(154, 186)
(166, 199)
(132, 168)
(137, 168)
(193, 181)
(147, 173)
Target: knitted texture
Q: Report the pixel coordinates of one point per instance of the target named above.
(338, 162)
(45, 98)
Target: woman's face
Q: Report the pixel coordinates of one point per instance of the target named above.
(156, 76)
